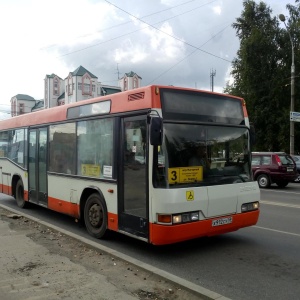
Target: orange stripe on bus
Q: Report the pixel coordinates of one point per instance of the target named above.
(6, 189)
(166, 234)
(65, 207)
(112, 221)
(73, 209)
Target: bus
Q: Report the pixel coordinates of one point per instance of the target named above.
(120, 163)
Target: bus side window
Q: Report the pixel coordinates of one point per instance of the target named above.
(3, 143)
(95, 148)
(62, 145)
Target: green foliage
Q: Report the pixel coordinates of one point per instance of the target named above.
(261, 73)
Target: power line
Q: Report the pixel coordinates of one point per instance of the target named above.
(174, 37)
(120, 36)
(128, 22)
(188, 55)
(148, 25)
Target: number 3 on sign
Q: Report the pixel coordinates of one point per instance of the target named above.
(173, 175)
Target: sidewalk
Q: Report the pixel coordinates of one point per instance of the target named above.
(39, 262)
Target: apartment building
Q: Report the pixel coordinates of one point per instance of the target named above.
(79, 85)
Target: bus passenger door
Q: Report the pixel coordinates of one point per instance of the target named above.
(133, 200)
(37, 166)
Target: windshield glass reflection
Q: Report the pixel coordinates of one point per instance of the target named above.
(202, 155)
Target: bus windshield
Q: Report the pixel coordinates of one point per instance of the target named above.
(201, 155)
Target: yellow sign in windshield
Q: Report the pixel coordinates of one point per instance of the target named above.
(185, 174)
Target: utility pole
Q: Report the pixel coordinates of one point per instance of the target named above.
(292, 125)
(212, 75)
(118, 72)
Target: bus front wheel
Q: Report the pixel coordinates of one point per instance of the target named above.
(95, 216)
(20, 194)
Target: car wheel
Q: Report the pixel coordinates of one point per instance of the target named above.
(282, 184)
(263, 181)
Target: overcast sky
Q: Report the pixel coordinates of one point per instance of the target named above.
(172, 42)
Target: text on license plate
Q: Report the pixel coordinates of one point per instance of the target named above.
(222, 221)
(290, 169)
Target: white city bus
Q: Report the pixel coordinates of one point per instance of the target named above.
(121, 163)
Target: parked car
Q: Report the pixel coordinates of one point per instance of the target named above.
(296, 159)
(273, 167)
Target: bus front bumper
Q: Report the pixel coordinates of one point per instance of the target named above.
(169, 234)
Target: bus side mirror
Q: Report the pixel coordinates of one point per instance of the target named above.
(156, 131)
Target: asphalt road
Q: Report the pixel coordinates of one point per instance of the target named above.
(260, 262)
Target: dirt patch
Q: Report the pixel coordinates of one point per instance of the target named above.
(126, 278)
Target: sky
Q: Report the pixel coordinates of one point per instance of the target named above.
(169, 42)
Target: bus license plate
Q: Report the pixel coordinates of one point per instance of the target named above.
(222, 221)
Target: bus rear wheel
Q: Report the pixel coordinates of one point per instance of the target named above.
(95, 216)
(20, 194)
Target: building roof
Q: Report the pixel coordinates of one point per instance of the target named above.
(80, 71)
(39, 104)
(62, 96)
(52, 76)
(111, 90)
(24, 97)
(131, 74)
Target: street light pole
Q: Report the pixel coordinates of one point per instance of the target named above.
(292, 128)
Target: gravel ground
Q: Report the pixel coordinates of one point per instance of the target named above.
(41, 263)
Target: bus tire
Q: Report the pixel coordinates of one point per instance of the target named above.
(20, 194)
(95, 216)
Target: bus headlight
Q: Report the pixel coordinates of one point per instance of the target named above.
(195, 216)
(186, 217)
(250, 206)
(178, 218)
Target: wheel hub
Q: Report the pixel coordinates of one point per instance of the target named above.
(95, 215)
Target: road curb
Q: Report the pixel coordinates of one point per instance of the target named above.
(194, 288)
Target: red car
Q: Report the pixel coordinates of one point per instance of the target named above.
(273, 167)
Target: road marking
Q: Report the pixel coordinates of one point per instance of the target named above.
(279, 204)
(279, 231)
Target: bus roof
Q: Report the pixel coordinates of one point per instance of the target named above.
(131, 100)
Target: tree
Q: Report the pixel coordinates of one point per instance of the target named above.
(260, 73)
